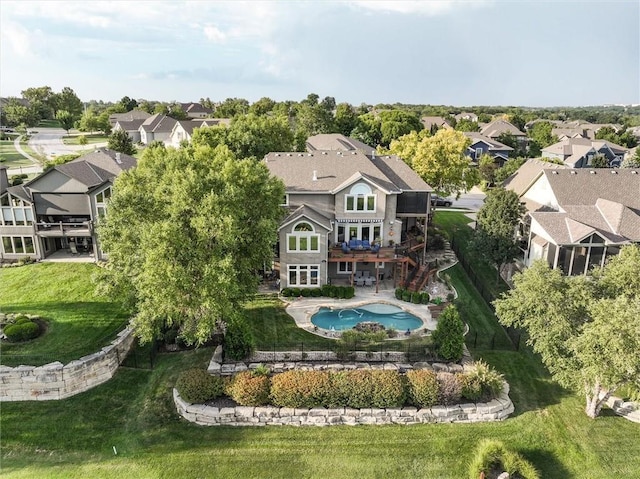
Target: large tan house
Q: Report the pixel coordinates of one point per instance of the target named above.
(348, 212)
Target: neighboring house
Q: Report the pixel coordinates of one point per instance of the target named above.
(337, 142)
(525, 176)
(431, 123)
(577, 218)
(128, 116)
(465, 115)
(338, 197)
(131, 127)
(498, 127)
(579, 152)
(183, 129)
(156, 128)
(196, 110)
(563, 133)
(59, 208)
(483, 145)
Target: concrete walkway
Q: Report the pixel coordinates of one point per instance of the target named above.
(29, 170)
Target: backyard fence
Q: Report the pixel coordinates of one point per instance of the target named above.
(495, 342)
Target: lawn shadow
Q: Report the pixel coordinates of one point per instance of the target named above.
(546, 463)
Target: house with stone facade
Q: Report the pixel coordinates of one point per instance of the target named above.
(348, 214)
(59, 209)
(577, 218)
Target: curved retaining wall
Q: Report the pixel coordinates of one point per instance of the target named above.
(58, 381)
(495, 410)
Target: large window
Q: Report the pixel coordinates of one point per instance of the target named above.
(345, 267)
(17, 245)
(302, 275)
(15, 212)
(362, 231)
(360, 199)
(101, 202)
(303, 239)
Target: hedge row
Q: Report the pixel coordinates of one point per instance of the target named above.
(327, 290)
(411, 297)
(23, 328)
(360, 388)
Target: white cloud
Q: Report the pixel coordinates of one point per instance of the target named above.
(214, 34)
(423, 7)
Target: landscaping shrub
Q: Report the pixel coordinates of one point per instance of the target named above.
(483, 383)
(349, 292)
(305, 293)
(449, 388)
(82, 140)
(392, 333)
(416, 298)
(22, 332)
(422, 387)
(399, 292)
(21, 318)
(406, 296)
(363, 388)
(424, 298)
(328, 290)
(316, 292)
(250, 389)
(448, 337)
(302, 389)
(492, 457)
(197, 386)
(238, 340)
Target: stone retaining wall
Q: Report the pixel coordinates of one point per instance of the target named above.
(58, 381)
(628, 410)
(495, 410)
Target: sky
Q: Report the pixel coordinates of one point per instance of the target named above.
(473, 52)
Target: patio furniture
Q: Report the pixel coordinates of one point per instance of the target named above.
(72, 247)
(366, 244)
(345, 248)
(360, 281)
(355, 243)
(368, 281)
(358, 274)
(366, 273)
(375, 248)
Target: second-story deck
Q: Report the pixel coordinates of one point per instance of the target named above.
(63, 229)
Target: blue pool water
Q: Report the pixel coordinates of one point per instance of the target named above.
(386, 314)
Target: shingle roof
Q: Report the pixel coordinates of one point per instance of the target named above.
(337, 142)
(494, 145)
(195, 108)
(159, 123)
(429, 121)
(129, 116)
(310, 213)
(333, 168)
(529, 172)
(497, 127)
(96, 167)
(132, 125)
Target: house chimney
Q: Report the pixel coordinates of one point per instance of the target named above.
(315, 175)
(4, 179)
(118, 160)
(373, 154)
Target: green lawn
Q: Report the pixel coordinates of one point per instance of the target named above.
(79, 323)
(91, 138)
(134, 412)
(49, 124)
(10, 157)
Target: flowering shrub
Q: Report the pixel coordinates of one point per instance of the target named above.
(302, 389)
(249, 389)
(423, 387)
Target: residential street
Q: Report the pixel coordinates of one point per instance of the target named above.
(472, 200)
(48, 142)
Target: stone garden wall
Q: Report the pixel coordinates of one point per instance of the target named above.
(495, 410)
(58, 381)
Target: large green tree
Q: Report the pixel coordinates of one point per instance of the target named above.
(183, 246)
(345, 119)
(122, 142)
(15, 113)
(69, 101)
(66, 120)
(494, 238)
(587, 331)
(440, 159)
(540, 137)
(397, 123)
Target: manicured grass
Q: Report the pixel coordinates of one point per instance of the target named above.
(49, 124)
(79, 322)
(456, 226)
(91, 139)
(10, 157)
(74, 438)
(41, 157)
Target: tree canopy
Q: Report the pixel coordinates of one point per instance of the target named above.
(587, 331)
(122, 142)
(183, 246)
(439, 159)
(66, 120)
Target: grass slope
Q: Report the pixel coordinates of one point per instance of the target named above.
(10, 157)
(79, 323)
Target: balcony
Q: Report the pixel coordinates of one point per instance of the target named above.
(63, 229)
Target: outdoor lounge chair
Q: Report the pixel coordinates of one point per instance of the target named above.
(358, 274)
(355, 244)
(375, 248)
(345, 248)
(72, 247)
(366, 273)
(368, 281)
(366, 244)
(360, 281)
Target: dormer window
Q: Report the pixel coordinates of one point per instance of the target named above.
(360, 199)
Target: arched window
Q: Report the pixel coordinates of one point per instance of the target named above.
(303, 238)
(360, 199)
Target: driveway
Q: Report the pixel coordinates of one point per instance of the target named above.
(471, 200)
(48, 142)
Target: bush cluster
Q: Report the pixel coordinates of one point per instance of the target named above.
(328, 290)
(448, 337)
(449, 388)
(22, 329)
(482, 383)
(493, 456)
(250, 388)
(198, 386)
(421, 297)
(303, 389)
(238, 340)
(422, 388)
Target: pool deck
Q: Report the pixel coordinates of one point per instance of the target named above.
(301, 309)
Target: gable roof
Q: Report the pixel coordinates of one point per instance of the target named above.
(195, 108)
(308, 212)
(429, 121)
(494, 145)
(129, 116)
(95, 168)
(129, 125)
(527, 174)
(335, 168)
(498, 127)
(337, 142)
(158, 123)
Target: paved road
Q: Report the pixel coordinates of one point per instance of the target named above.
(48, 142)
(472, 200)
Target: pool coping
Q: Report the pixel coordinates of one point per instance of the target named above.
(301, 310)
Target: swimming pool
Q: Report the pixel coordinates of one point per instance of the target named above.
(346, 318)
